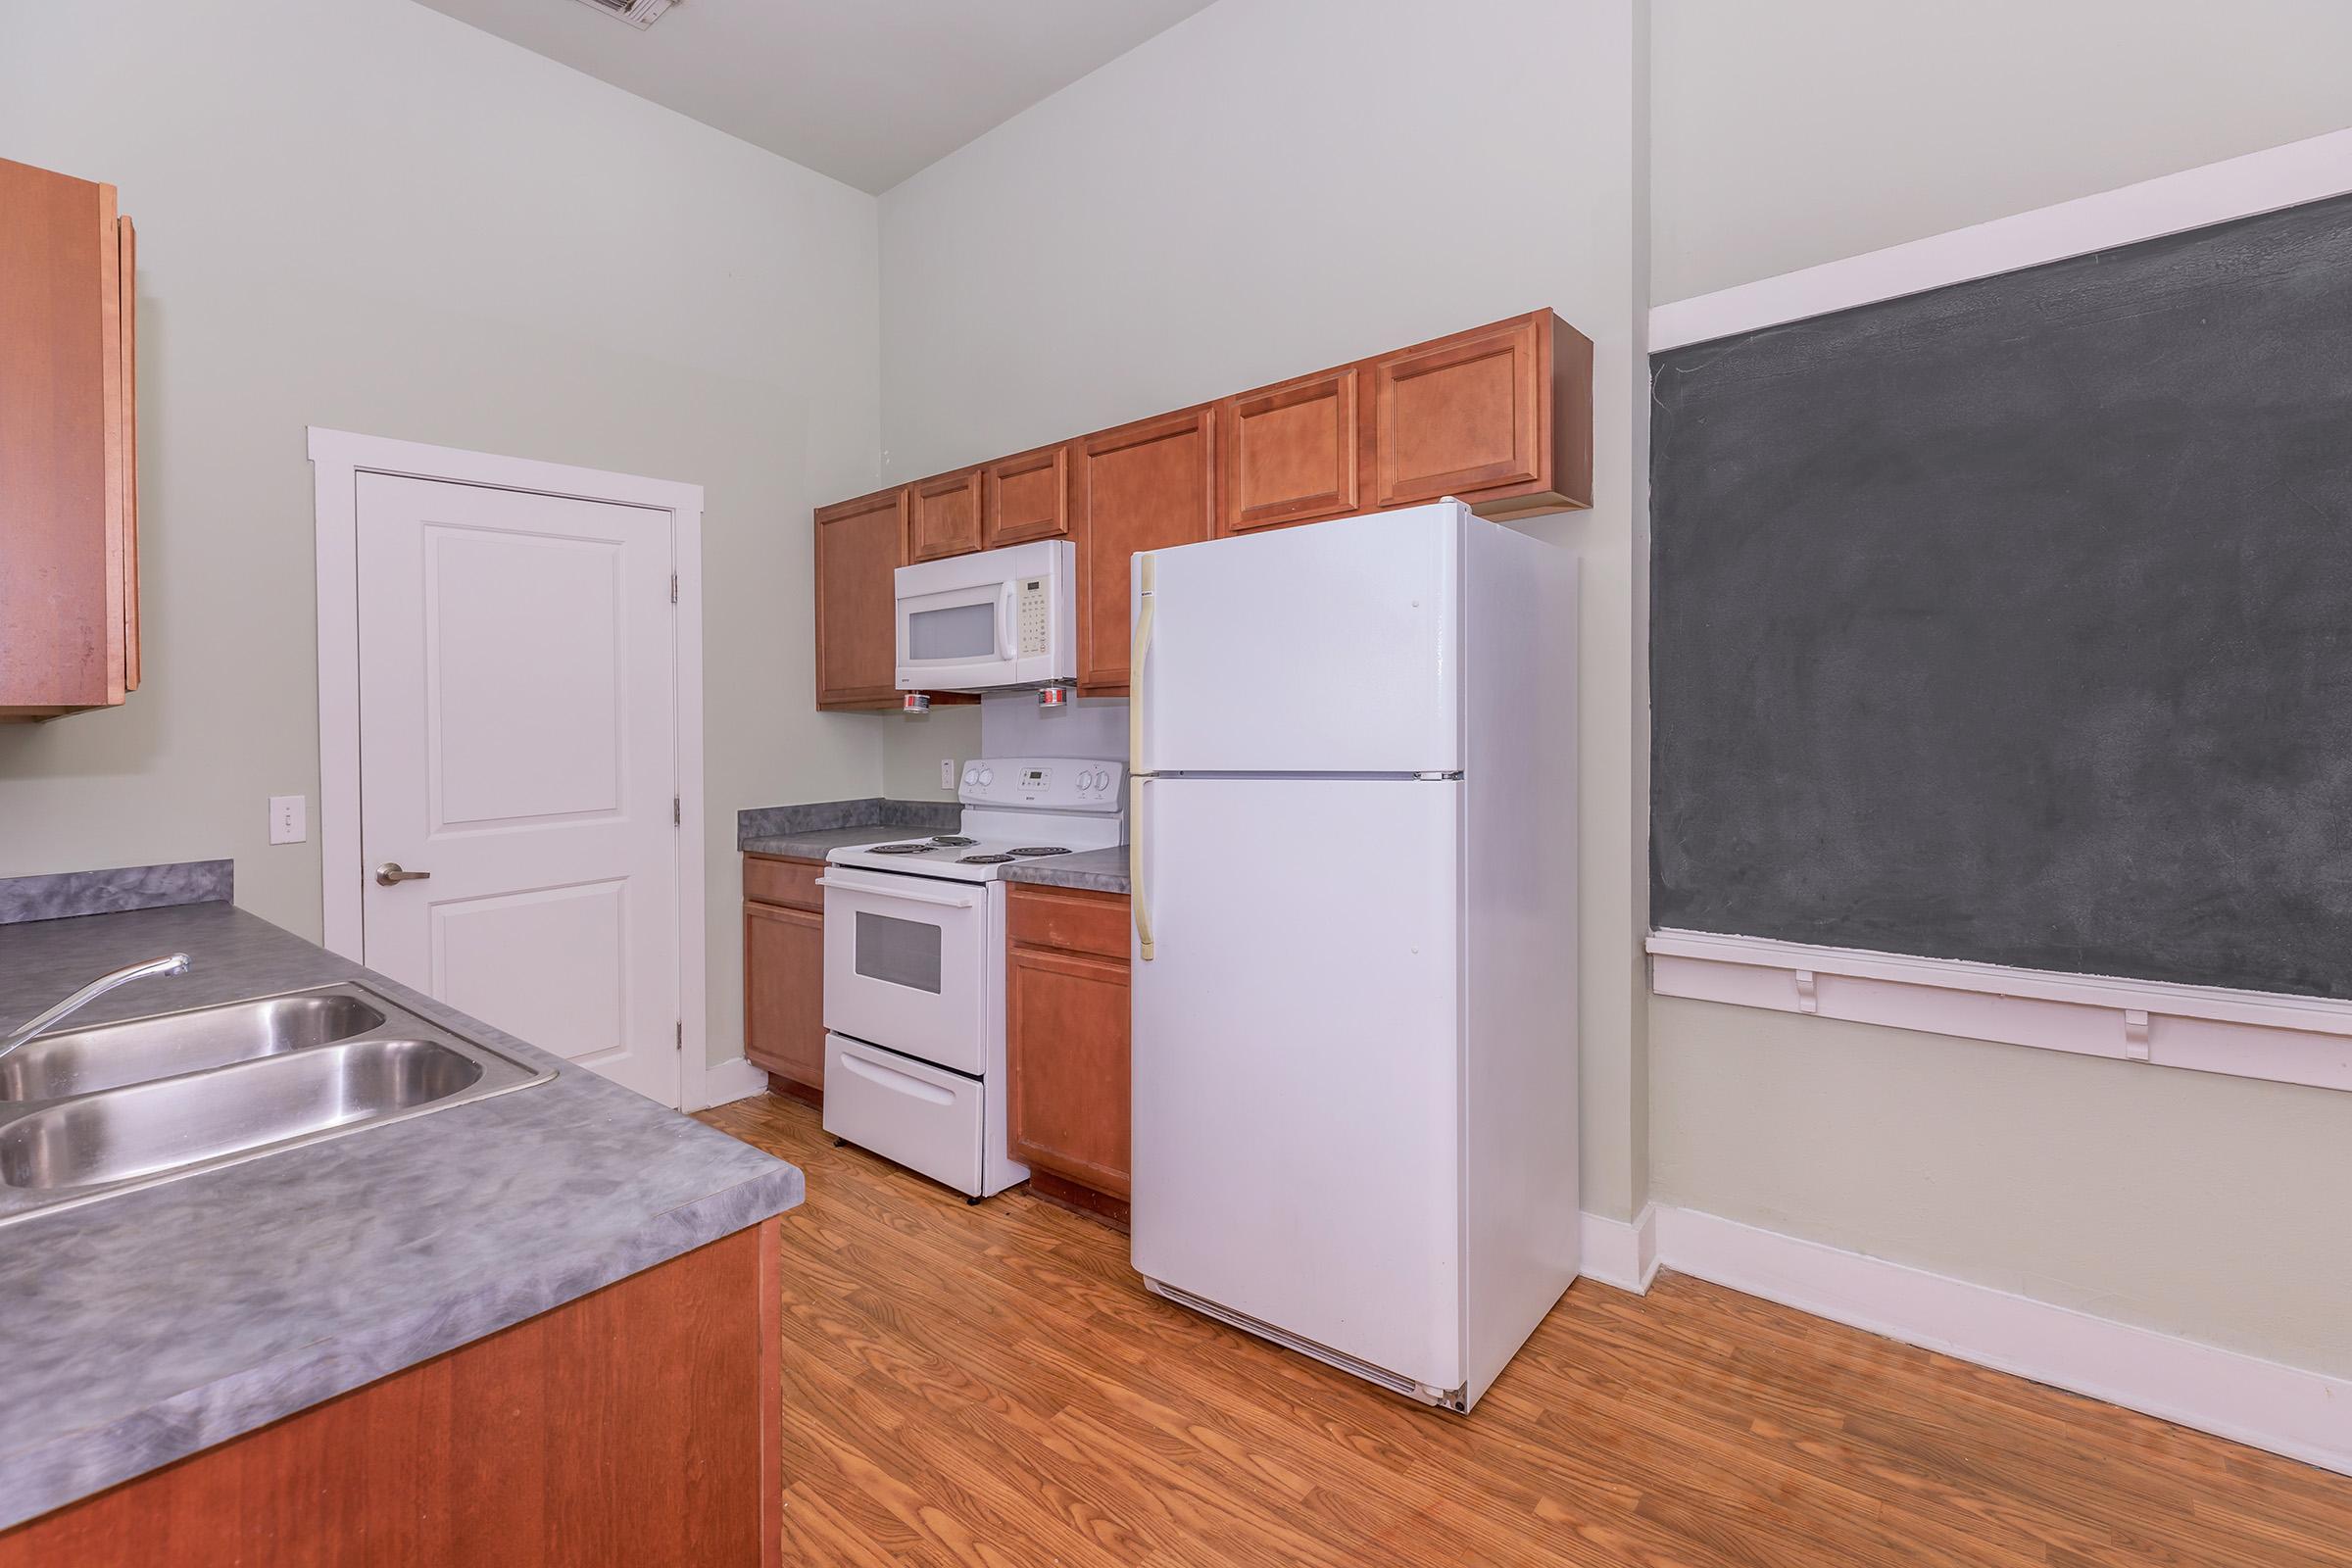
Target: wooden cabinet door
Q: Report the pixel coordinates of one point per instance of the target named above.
(1290, 453)
(1463, 415)
(859, 544)
(67, 611)
(784, 992)
(942, 516)
(1027, 497)
(1143, 486)
(1066, 1022)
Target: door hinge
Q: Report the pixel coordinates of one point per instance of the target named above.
(677, 810)
(673, 587)
(681, 1034)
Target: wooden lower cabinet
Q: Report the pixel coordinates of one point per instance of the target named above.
(640, 1424)
(784, 972)
(1068, 1030)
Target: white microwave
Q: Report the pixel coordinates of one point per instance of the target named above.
(992, 620)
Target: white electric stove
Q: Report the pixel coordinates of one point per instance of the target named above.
(914, 966)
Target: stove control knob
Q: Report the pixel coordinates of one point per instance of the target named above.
(988, 776)
(1086, 782)
(972, 775)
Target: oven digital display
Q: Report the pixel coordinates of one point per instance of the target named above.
(1033, 777)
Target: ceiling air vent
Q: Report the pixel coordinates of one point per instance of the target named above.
(636, 12)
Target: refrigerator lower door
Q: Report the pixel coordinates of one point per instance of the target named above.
(1335, 648)
(1296, 1078)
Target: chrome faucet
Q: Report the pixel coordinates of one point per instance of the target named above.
(175, 963)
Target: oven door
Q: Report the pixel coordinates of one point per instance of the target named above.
(906, 964)
(957, 638)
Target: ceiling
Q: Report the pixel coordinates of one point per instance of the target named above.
(867, 91)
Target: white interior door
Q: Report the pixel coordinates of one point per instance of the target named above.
(517, 747)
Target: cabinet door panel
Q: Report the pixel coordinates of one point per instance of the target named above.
(784, 992)
(1460, 416)
(61, 444)
(1067, 1021)
(1028, 497)
(1290, 453)
(860, 544)
(944, 516)
(1144, 486)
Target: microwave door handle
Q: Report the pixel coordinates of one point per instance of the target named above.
(1005, 645)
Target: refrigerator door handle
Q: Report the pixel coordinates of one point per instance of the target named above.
(1145, 579)
(1146, 576)
(1138, 904)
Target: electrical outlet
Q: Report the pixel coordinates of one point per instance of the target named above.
(289, 818)
(946, 773)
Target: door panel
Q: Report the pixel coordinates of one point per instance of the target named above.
(1290, 453)
(860, 544)
(517, 744)
(1141, 487)
(784, 991)
(944, 516)
(1329, 649)
(1465, 414)
(1066, 1025)
(906, 964)
(1296, 1072)
(1028, 497)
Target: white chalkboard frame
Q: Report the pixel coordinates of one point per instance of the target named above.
(2300, 1040)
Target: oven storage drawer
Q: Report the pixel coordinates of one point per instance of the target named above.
(924, 1117)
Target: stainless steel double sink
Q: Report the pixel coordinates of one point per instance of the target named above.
(93, 1112)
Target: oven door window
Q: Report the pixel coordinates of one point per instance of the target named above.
(953, 633)
(899, 953)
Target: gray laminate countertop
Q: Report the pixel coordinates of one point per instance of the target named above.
(1098, 870)
(143, 1327)
(812, 843)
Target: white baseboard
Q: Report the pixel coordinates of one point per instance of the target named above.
(2265, 1405)
(730, 1080)
(1622, 1252)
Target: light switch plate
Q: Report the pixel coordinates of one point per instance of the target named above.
(289, 818)
(946, 773)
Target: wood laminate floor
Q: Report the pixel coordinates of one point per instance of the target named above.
(993, 1388)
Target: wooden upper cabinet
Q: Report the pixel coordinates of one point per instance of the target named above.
(1499, 417)
(1144, 486)
(860, 544)
(1290, 452)
(1027, 497)
(942, 516)
(69, 528)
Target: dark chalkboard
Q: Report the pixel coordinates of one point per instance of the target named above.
(2013, 622)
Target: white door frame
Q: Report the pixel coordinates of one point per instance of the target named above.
(338, 458)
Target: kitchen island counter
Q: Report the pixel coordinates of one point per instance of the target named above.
(146, 1327)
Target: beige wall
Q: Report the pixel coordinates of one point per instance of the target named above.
(1269, 188)
(1790, 134)
(1799, 131)
(365, 215)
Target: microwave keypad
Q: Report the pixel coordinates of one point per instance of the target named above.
(1032, 617)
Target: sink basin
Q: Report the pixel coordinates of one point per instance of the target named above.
(92, 1113)
(126, 1133)
(81, 1062)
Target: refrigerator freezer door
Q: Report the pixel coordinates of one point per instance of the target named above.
(1295, 1078)
(1328, 649)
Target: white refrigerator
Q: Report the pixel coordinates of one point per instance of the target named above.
(1352, 835)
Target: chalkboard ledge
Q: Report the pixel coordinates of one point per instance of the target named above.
(2246, 1034)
